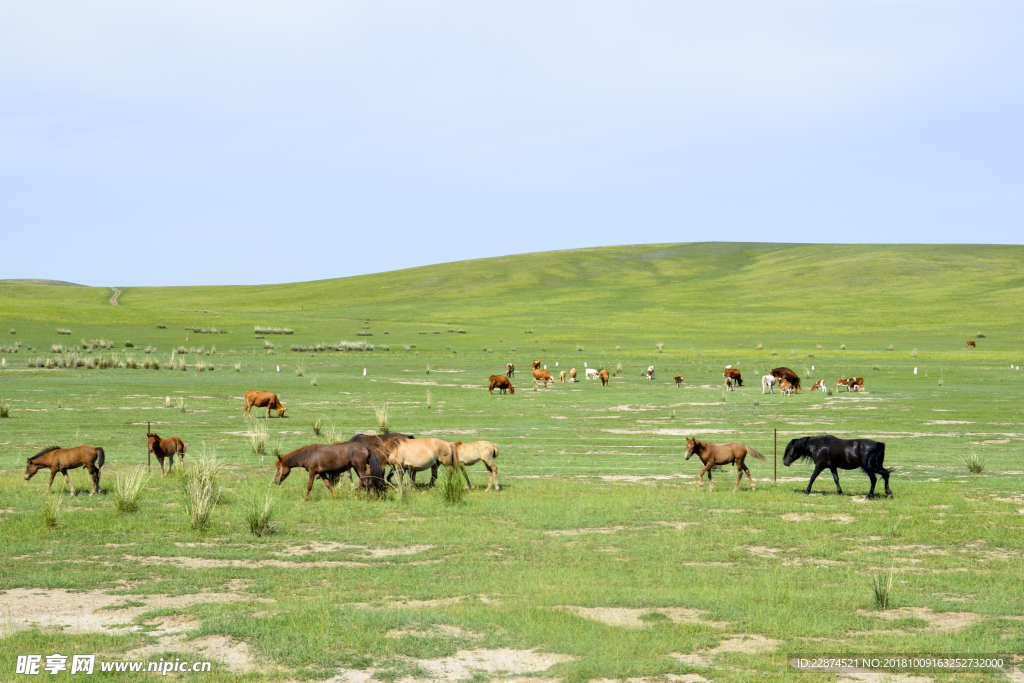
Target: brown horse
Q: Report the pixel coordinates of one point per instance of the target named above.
(381, 445)
(262, 399)
(164, 448)
(328, 461)
(63, 459)
(713, 454)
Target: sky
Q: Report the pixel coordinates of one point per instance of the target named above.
(190, 143)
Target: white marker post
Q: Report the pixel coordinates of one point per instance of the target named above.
(364, 372)
(915, 371)
(279, 368)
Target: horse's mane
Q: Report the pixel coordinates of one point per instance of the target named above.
(805, 452)
(299, 455)
(44, 452)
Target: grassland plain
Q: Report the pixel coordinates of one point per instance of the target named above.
(601, 559)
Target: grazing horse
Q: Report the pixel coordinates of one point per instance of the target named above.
(831, 453)
(164, 448)
(469, 454)
(971, 344)
(262, 399)
(572, 375)
(379, 445)
(679, 381)
(501, 383)
(330, 461)
(733, 374)
(768, 384)
(787, 374)
(818, 386)
(416, 455)
(510, 371)
(843, 382)
(604, 377)
(650, 372)
(713, 455)
(544, 376)
(63, 459)
(536, 363)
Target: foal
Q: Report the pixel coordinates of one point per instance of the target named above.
(713, 454)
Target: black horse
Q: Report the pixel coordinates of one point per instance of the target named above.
(831, 453)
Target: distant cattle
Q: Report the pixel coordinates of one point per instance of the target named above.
(650, 372)
(561, 377)
(819, 385)
(510, 371)
(786, 387)
(971, 344)
(604, 377)
(572, 375)
(734, 375)
(536, 363)
(843, 382)
(768, 384)
(543, 376)
(591, 373)
(679, 381)
(856, 384)
(728, 383)
(501, 383)
(261, 399)
(788, 375)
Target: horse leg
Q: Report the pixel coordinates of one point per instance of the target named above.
(433, 475)
(739, 477)
(752, 487)
(711, 482)
(94, 472)
(492, 472)
(68, 480)
(874, 480)
(309, 486)
(814, 475)
(835, 476)
(53, 473)
(465, 474)
(327, 483)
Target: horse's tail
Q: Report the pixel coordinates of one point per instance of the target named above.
(101, 458)
(376, 473)
(751, 451)
(182, 451)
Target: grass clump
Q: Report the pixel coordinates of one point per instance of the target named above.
(881, 588)
(59, 331)
(975, 464)
(453, 487)
(53, 512)
(299, 371)
(759, 347)
(430, 400)
(5, 409)
(258, 436)
(889, 347)
(179, 403)
(312, 382)
(317, 426)
(383, 414)
(238, 367)
(201, 491)
(258, 515)
(128, 488)
(913, 354)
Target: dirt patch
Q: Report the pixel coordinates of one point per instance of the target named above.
(435, 631)
(763, 551)
(634, 478)
(330, 547)
(937, 621)
(817, 517)
(420, 604)
(233, 653)
(747, 644)
(210, 563)
(90, 611)
(584, 532)
(630, 617)
(465, 663)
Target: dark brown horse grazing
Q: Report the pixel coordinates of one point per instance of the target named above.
(164, 448)
(829, 452)
(63, 459)
(331, 460)
(713, 454)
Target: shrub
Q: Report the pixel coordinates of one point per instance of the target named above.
(201, 490)
(272, 330)
(383, 414)
(980, 335)
(258, 436)
(889, 347)
(258, 514)
(842, 347)
(128, 488)
(453, 487)
(881, 586)
(128, 344)
(759, 346)
(913, 354)
(53, 512)
(59, 331)
(299, 371)
(461, 331)
(974, 463)
(5, 409)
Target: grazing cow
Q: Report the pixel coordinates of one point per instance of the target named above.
(604, 377)
(679, 381)
(789, 375)
(786, 387)
(768, 384)
(536, 363)
(971, 344)
(262, 399)
(828, 452)
(572, 375)
(819, 385)
(501, 383)
(843, 382)
(591, 373)
(544, 376)
(510, 371)
(61, 460)
(734, 375)
(856, 384)
(728, 383)
(561, 377)
(650, 372)
(470, 454)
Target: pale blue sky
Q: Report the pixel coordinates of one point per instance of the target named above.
(215, 143)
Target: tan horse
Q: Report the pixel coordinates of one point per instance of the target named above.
(416, 455)
(164, 448)
(63, 459)
(713, 454)
(470, 454)
(262, 399)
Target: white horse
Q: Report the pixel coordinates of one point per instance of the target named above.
(768, 384)
(591, 373)
(470, 454)
(416, 455)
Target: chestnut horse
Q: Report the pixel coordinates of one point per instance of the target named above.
(713, 454)
(164, 448)
(63, 459)
(331, 460)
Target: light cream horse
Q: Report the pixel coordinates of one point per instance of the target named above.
(416, 455)
(469, 454)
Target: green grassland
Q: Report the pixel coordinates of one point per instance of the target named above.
(599, 509)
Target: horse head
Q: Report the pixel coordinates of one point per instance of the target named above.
(691, 447)
(795, 449)
(31, 469)
(153, 439)
(282, 471)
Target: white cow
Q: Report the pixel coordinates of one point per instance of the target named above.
(591, 373)
(650, 372)
(768, 384)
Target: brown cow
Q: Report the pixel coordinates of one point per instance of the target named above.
(843, 382)
(536, 363)
(604, 377)
(262, 399)
(61, 460)
(679, 381)
(856, 384)
(572, 375)
(510, 371)
(786, 387)
(561, 377)
(734, 375)
(501, 383)
(971, 344)
(788, 375)
(544, 376)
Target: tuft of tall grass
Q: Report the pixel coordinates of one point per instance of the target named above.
(618, 368)
(201, 490)
(842, 347)
(913, 354)
(818, 346)
(974, 463)
(889, 347)
(268, 345)
(453, 487)
(5, 409)
(792, 352)
(383, 414)
(332, 433)
(258, 436)
(661, 347)
(317, 426)
(312, 382)
(56, 348)
(59, 331)
(128, 488)
(881, 587)
(774, 352)
(179, 403)
(258, 514)
(238, 367)
(430, 400)
(299, 371)
(759, 347)
(579, 347)
(53, 512)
